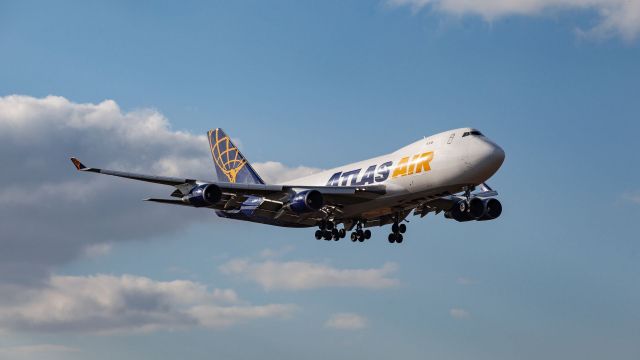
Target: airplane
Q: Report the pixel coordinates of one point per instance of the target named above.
(439, 173)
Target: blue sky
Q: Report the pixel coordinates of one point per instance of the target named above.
(316, 85)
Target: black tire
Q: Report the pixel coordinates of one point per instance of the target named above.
(342, 233)
(402, 228)
(367, 234)
(354, 236)
(318, 234)
(327, 235)
(392, 238)
(394, 228)
(361, 238)
(360, 233)
(399, 238)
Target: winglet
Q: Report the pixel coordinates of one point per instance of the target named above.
(78, 164)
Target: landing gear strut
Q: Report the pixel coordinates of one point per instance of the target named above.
(397, 230)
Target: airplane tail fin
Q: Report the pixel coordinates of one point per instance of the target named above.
(231, 165)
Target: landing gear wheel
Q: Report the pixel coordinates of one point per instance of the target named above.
(361, 238)
(402, 228)
(395, 228)
(327, 235)
(367, 234)
(392, 238)
(360, 234)
(342, 233)
(399, 238)
(354, 236)
(318, 234)
(335, 234)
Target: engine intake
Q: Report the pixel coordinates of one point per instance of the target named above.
(306, 201)
(203, 195)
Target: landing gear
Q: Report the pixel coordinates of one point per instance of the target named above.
(328, 231)
(395, 238)
(360, 235)
(397, 230)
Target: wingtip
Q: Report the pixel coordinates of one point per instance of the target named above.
(78, 164)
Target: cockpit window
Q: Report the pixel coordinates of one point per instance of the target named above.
(474, 132)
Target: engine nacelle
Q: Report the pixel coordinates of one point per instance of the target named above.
(493, 209)
(459, 212)
(306, 201)
(203, 195)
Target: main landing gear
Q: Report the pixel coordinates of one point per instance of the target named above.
(396, 232)
(359, 234)
(328, 232)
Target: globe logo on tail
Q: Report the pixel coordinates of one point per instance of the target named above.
(225, 155)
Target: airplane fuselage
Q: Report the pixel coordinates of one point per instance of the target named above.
(438, 165)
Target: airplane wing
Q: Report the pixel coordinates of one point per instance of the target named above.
(234, 194)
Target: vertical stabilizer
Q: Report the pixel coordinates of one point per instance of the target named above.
(231, 165)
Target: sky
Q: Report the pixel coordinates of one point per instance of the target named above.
(88, 271)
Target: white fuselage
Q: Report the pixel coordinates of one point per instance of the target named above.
(437, 165)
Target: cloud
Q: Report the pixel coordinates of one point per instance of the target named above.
(632, 197)
(40, 351)
(275, 172)
(110, 304)
(301, 275)
(51, 214)
(458, 313)
(616, 17)
(97, 250)
(346, 321)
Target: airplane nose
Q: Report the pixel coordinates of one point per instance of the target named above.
(484, 159)
(498, 154)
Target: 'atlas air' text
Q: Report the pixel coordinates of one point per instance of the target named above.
(408, 165)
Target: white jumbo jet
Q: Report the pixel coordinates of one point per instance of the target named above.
(439, 173)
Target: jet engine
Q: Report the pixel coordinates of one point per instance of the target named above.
(306, 201)
(203, 195)
(459, 212)
(493, 209)
(478, 209)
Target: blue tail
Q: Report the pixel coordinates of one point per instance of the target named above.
(231, 165)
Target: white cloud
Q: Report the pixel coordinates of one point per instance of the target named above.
(109, 304)
(458, 313)
(51, 214)
(301, 275)
(616, 17)
(346, 321)
(275, 172)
